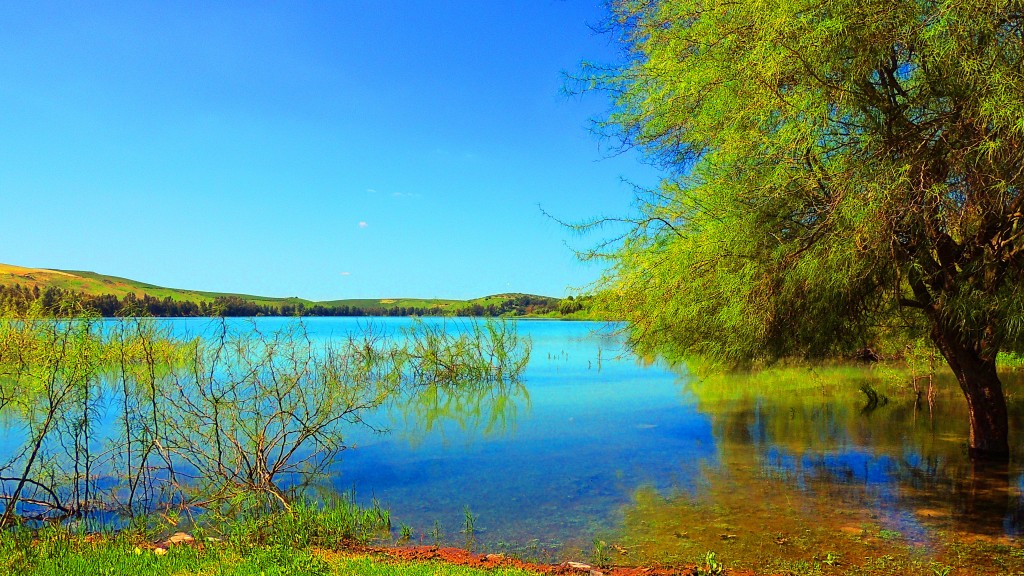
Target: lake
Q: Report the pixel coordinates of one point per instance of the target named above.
(603, 454)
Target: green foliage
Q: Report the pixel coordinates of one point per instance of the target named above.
(235, 424)
(335, 523)
(435, 532)
(710, 566)
(56, 552)
(1012, 360)
(404, 532)
(885, 534)
(837, 173)
(283, 561)
(599, 554)
(469, 527)
(470, 376)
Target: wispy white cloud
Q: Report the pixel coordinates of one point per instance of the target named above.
(363, 224)
(346, 273)
(375, 192)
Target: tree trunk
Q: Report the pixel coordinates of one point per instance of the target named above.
(986, 404)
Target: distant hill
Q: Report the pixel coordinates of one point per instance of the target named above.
(112, 295)
(93, 284)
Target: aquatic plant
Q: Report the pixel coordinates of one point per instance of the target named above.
(335, 522)
(469, 527)
(711, 566)
(404, 532)
(831, 559)
(474, 382)
(599, 554)
(232, 422)
(886, 534)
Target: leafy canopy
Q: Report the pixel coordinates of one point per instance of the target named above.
(834, 168)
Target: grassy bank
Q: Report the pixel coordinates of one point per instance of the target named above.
(660, 537)
(56, 554)
(307, 540)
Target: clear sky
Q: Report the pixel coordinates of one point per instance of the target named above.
(349, 149)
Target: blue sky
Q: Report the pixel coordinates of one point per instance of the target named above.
(324, 149)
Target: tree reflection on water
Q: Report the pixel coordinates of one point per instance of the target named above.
(807, 477)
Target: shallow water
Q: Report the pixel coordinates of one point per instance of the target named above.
(601, 446)
(640, 455)
(593, 426)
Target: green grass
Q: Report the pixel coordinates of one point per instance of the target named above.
(336, 523)
(51, 554)
(311, 540)
(324, 541)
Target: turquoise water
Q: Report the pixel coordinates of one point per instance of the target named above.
(595, 425)
(601, 445)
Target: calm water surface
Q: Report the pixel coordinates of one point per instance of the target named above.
(593, 426)
(605, 446)
(661, 465)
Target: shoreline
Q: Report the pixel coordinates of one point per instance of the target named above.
(462, 557)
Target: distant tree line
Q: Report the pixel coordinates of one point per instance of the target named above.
(18, 298)
(517, 305)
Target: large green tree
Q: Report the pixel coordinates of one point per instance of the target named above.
(832, 167)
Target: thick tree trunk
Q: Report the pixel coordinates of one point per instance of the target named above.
(986, 404)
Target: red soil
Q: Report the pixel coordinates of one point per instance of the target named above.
(464, 558)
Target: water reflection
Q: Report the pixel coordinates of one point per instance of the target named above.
(806, 472)
(120, 418)
(587, 428)
(784, 467)
(476, 408)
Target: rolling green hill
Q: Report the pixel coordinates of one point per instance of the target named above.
(100, 286)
